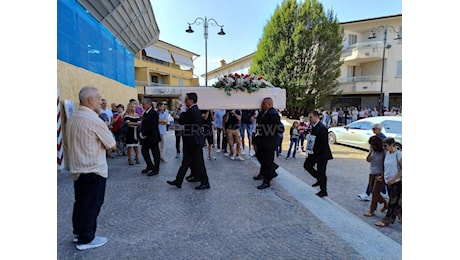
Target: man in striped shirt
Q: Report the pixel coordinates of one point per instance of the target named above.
(88, 139)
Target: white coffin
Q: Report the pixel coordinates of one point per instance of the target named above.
(213, 98)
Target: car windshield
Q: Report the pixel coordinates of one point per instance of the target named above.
(394, 127)
(360, 125)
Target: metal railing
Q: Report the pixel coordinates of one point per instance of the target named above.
(361, 78)
(152, 84)
(362, 45)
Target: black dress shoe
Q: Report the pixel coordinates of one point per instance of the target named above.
(258, 177)
(275, 174)
(276, 166)
(264, 185)
(194, 179)
(174, 183)
(188, 178)
(202, 186)
(152, 172)
(315, 184)
(321, 194)
(144, 171)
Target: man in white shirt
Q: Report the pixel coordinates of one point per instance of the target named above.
(88, 138)
(163, 120)
(106, 110)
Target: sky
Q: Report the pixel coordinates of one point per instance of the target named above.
(243, 21)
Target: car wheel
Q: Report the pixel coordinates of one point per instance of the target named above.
(398, 146)
(332, 139)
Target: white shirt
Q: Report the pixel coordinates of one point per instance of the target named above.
(109, 114)
(391, 165)
(88, 138)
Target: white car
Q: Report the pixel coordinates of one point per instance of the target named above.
(357, 134)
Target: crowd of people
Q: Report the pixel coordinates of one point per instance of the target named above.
(338, 116)
(228, 131)
(94, 132)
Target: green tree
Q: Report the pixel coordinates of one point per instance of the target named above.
(300, 51)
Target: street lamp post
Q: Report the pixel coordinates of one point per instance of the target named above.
(206, 22)
(385, 46)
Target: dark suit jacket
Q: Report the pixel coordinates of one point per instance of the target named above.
(269, 127)
(149, 127)
(192, 122)
(321, 149)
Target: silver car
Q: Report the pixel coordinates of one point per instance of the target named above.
(357, 134)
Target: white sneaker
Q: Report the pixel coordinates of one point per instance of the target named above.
(97, 242)
(385, 195)
(226, 154)
(364, 197)
(243, 152)
(252, 153)
(232, 157)
(212, 158)
(218, 150)
(240, 158)
(75, 239)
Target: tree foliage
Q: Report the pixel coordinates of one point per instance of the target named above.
(300, 51)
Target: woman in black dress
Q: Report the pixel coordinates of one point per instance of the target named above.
(132, 121)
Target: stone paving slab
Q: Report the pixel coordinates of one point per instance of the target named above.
(145, 218)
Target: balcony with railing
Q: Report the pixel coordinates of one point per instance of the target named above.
(141, 83)
(152, 60)
(363, 52)
(361, 84)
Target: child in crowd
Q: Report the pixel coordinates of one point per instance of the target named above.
(294, 134)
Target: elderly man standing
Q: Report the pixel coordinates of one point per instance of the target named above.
(88, 138)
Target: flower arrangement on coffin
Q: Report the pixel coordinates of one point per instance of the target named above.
(241, 82)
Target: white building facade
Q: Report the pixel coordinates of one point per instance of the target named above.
(361, 75)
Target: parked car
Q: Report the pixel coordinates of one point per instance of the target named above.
(357, 134)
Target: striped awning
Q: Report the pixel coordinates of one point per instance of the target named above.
(158, 53)
(183, 60)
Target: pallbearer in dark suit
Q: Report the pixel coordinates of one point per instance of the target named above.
(268, 128)
(193, 141)
(150, 137)
(319, 153)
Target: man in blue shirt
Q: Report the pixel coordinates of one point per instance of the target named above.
(219, 118)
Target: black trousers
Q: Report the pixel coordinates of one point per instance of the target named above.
(319, 173)
(224, 142)
(193, 159)
(89, 190)
(219, 137)
(178, 134)
(394, 202)
(302, 140)
(266, 158)
(146, 148)
(178, 137)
